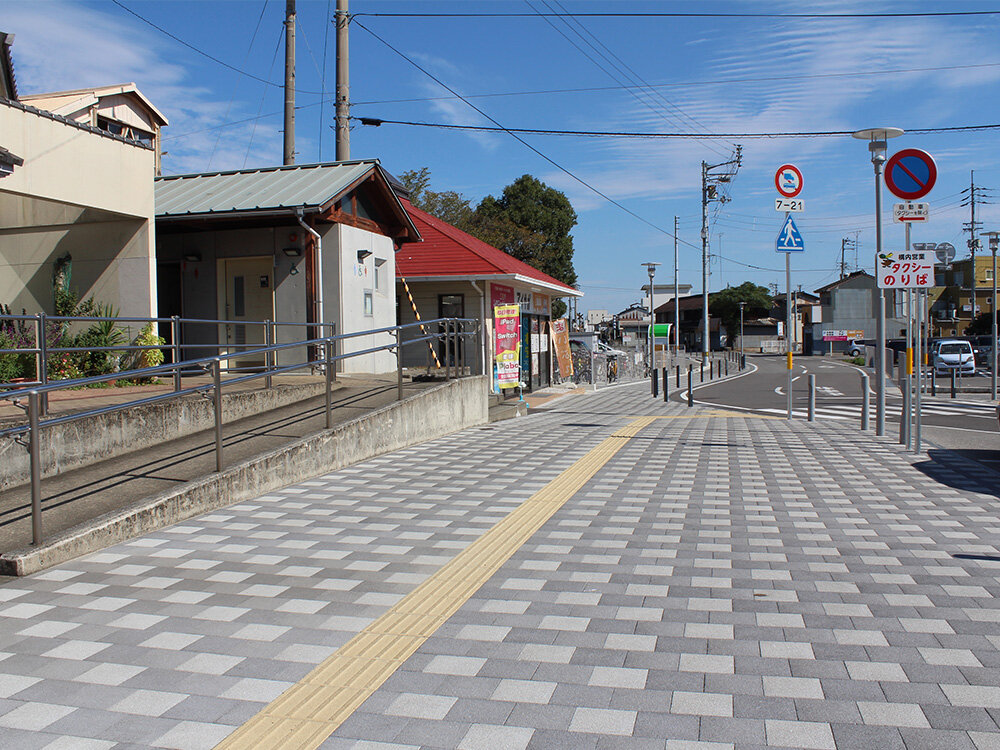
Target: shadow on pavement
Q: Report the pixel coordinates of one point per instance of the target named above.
(964, 469)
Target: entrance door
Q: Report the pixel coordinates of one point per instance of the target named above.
(248, 299)
(168, 301)
(450, 306)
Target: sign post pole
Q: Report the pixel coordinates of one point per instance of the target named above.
(788, 328)
(909, 350)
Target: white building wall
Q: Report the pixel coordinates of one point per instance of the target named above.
(374, 277)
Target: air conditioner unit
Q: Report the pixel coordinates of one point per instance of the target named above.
(943, 315)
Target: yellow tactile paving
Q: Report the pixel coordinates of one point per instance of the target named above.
(309, 711)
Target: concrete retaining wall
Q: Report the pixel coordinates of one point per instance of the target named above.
(433, 413)
(83, 441)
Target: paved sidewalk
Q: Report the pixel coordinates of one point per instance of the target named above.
(693, 579)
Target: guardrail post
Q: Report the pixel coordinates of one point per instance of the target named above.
(666, 383)
(330, 364)
(35, 454)
(43, 362)
(654, 379)
(812, 398)
(175, 339)
(953, 383)
(268, 364)
(217, 385)
(864, 401)
(399, 364)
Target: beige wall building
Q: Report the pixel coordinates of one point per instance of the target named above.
(81, 192)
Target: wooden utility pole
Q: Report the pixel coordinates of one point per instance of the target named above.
(343, 85)
(289, 149)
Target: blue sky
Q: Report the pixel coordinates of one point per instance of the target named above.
(708, 75)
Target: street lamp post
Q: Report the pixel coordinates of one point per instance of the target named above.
(994, 241)
(651, 270)
(877, 138)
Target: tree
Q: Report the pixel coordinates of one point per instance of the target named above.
(726, 304)
(448, 206)
(531, 222)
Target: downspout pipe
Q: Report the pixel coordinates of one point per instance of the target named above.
(319, 271)
(482, 325)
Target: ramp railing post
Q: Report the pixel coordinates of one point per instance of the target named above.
(330, 364)
(43, 362)
(447, 344)
(175, 338)
(35, 454)
(399, 364)
(864, 401)
(812, 398)
(268, 364)
(217, 386)
(336, 349)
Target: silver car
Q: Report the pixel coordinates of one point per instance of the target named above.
(954, 355)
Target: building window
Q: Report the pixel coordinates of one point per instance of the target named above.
(989, 274)
(380, 280)
(369, 304)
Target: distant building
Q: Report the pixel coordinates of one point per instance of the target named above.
(951, 298)
(851, 303)
(596, 318)
(120, 110)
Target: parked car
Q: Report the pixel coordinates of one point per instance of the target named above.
(856, 348)
(603, 348)
(954, 354)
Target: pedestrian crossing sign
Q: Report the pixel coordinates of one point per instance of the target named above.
(789, 238)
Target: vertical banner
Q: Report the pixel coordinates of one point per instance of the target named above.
(507, 344)
(560, 339)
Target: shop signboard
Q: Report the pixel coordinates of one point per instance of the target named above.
(560, 340)
(501, 295)
(507, 344)
(841, 335)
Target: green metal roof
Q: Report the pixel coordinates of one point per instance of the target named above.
(311, 187)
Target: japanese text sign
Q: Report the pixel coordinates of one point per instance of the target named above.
(905, 270)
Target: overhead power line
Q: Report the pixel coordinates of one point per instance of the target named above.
(375, 121)
(523, 142)
(928, 14)
(202, 52)
(681, 84)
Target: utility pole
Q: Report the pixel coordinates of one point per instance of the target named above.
(343, 84)
(976, 195)
(289, 149)
(710, 192)
(677, 301)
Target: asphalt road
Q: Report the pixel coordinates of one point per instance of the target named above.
(967, 424)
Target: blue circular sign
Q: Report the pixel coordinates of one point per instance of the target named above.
(910, 174)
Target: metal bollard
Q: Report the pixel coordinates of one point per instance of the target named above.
(727, 367)
(743, 361)
(702, 372)
(655, 379)
(812, 398)
(953, 383)
(933, 381)
(666, 384)
(217, 383)
(652, 382)
(690, 380)
(35, 454)
(864, 401)
(677, 382)
(330, 364)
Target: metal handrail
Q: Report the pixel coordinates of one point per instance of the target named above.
(454, 329)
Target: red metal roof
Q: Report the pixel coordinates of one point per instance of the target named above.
(448, 251)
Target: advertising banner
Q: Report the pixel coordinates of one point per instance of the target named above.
(560, 339)
(507, 344)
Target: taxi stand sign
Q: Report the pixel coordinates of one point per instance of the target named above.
(906, 270)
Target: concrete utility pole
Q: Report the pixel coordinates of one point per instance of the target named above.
(343, 84)
(289, 149)
(973, 241)
(677, 300)
(709, 193)
(651, 270)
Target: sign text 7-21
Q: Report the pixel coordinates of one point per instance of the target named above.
(793, 205)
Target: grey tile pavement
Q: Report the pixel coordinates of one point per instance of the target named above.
(720, 582)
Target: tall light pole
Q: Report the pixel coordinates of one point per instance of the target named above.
(994, 241)
(877, 138)
(651, 270)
